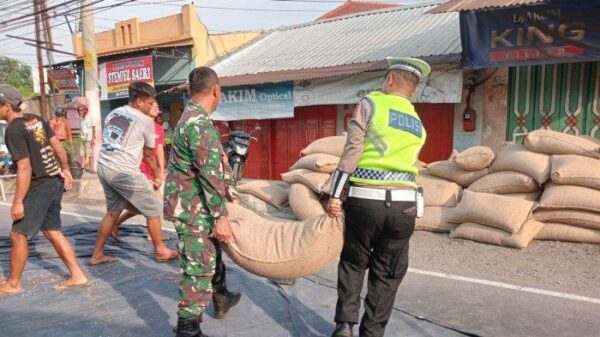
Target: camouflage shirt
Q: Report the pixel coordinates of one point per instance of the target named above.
(196, 184)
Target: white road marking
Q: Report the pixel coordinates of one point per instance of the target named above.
(506, 286)
(431, 273)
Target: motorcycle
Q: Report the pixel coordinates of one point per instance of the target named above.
(236, 149)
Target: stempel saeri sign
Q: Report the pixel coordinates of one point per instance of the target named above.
(119, 74)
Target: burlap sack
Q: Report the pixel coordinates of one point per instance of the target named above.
(553, 142)
(591, 138)
(505, 182)
(320, 162)
(514, 157)
(474, 158)
(576, 170)
(439, 192)
(435, 219)
(304, 202)
(283, 249)
(447, 170)
(571, 217)
(266, 191)
(533, 196)
(492, 210)
(494, 236)
(317, 181)
(561, 232)
(570, 197)
(328, 145)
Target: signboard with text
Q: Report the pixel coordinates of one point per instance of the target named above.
(553, 32)
(65, 80)
(264, 101)
(116, 76)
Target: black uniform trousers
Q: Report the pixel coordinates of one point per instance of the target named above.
(376, 237)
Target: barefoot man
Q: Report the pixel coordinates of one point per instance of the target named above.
(159, 150)
(40, 185)
(128, 136)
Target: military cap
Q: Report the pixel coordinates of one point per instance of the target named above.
(415, 66)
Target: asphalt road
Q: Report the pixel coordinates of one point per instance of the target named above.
(550, 289)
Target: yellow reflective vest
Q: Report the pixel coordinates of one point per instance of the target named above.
(393, 141)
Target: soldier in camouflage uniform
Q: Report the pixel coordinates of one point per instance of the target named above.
(196, 193)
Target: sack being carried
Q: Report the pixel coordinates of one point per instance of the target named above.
(282, 249)
(304, 202)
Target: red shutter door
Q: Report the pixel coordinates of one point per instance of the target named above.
(258, 164)
(438, 120)
(292, 135)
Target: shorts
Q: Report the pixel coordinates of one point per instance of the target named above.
(42, 209)
(130, 191)
(86, 149)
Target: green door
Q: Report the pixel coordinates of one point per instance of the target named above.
(561, 97)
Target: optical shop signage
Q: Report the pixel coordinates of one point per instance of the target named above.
(264, 101)
(553, 32)
(116, 76)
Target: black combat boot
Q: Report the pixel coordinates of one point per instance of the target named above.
(189, 328)
(223, 301)
(342, 330)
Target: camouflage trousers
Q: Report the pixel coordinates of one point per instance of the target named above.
(202, 267)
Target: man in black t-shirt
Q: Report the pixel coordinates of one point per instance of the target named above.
(40, 185)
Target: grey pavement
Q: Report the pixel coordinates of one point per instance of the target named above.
(137, 297)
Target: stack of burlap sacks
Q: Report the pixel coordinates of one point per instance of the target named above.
(478, 194)
(499, 204)
(570, 203)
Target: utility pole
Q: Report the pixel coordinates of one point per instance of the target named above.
(90, 62)
(38, 39)
(50, 45)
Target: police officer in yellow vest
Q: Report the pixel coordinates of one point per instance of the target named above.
(385, 137)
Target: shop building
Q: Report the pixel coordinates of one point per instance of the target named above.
(161, 51)
(548, 52)
(302, 82)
